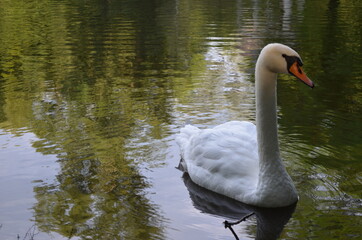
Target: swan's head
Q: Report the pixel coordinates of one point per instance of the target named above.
(279, 58)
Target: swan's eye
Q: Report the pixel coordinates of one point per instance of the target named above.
(291, 60)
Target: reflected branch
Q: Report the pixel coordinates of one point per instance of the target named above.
(229, 225)
(32, 231)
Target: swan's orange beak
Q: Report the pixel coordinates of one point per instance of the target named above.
(297, 71)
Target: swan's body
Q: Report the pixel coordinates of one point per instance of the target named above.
(241, 160)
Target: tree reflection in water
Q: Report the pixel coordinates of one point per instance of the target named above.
(77, 207)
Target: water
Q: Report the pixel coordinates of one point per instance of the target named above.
(92, 94)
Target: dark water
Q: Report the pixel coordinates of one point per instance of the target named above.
(92, 94)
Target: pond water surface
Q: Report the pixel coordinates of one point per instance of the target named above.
(93, 93)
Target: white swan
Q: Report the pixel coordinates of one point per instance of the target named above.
(237, 158)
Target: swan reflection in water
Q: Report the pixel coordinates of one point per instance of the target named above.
(270, 221)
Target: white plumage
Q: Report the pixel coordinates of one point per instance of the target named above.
(237, 158)
(215, 155)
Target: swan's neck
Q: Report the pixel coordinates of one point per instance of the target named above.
(273, 177)
(266, 116)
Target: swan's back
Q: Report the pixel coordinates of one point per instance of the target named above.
(223, 159)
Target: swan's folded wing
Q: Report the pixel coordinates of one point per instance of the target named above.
(224, 158)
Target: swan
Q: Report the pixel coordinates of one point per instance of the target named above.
(238, 159)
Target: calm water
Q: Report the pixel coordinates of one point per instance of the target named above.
(93, 93)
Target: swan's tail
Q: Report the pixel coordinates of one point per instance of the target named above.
(183, 139)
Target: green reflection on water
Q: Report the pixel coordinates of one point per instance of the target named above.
(102, 84)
